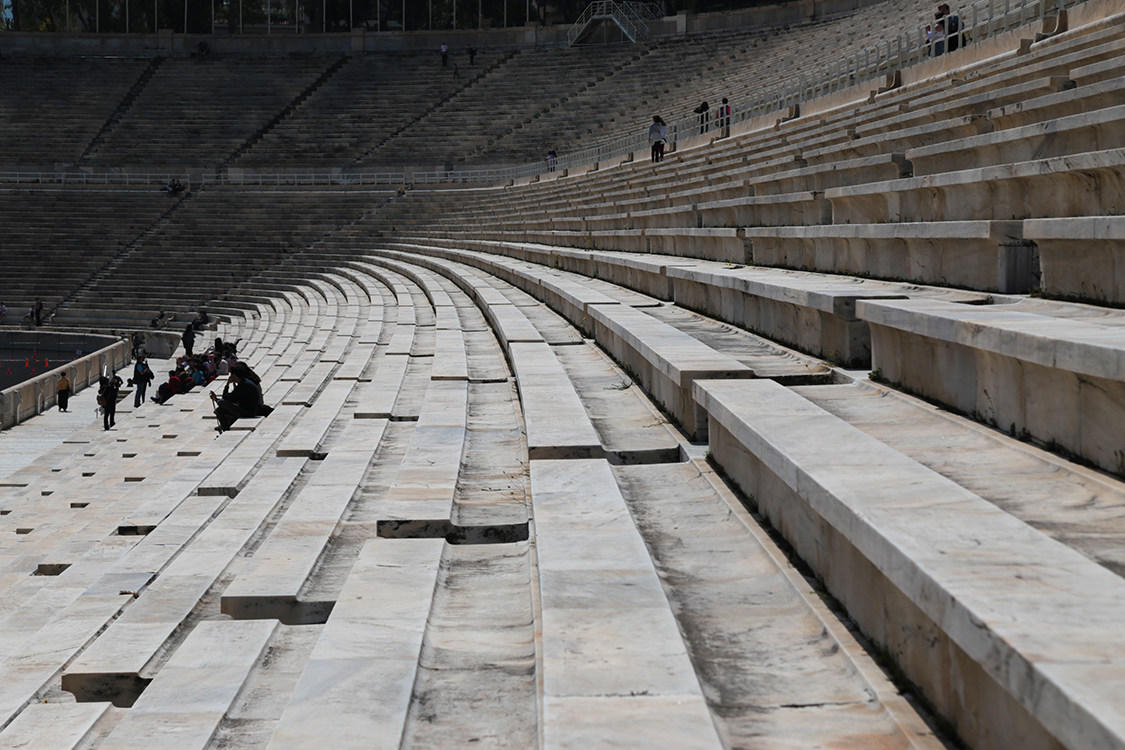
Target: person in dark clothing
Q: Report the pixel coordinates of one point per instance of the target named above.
(189, 339)
(472, 54)
(242, 397)
(142, 376)
(444, 55)
(704, 117)
(107, 399)
(169, 389)
(38, 309)
(952, 27)
(63, 392)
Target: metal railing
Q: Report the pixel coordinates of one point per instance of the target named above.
(289, 178)
(980, 20)
(627, 19)
(645, 10)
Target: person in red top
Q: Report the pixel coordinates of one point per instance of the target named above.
(722, 117)
(169, 389)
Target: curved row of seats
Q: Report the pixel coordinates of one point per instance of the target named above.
(360, 563)
(761, 199)
(860, 530)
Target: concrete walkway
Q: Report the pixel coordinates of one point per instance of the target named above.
(23, 443)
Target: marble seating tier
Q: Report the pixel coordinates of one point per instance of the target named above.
(961, 601)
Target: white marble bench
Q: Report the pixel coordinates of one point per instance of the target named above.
(942, 133)
(53, 726)
(615, 668)
(771, 210)
(1048, 370)
(1081, 258)
(1090, 131)
(424, 486)
(268, 587)
(663, 359)
(377, 397)
(811, 312)
(195, 690)
(450, 359)
(356, 688)
(32, 659)
(309, 432)
(556, 422)
(726, 244)
(117, 666)
(1004, 630)
(984, 255)
(1051, 106)
(1003, 192)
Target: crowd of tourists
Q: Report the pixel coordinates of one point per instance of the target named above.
(241, 395)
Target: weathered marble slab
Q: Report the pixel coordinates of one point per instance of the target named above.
(192, 694)
(555, 419)
(355, 689)
(598, 591)
(1052, 371)
(935, 574)
(52, 726)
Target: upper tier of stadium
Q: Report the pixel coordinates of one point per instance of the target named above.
(374, 109)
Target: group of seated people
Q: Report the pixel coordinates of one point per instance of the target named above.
(242, 392)
(198, 369)
(174, 188)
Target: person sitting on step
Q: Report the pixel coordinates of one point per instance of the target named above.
(242, 397)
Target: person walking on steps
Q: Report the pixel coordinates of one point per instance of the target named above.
(142, 376)
(107, 399)
(189, 339)
(63, 391)
(657, 136)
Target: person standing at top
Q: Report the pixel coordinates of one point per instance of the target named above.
(444, 54)
(37, 308)
(552, 160)
(936, 35)
(63, 391)
(472, 54)
(3, 312)
(722, 117)
(657, 136)
(188, 338)
(704, 117)
(952, 27)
